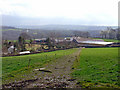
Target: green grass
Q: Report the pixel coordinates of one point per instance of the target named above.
(10, 29)
(111, 40)
(97, 67)
(17, 41)
(14, 66)
(108, 40)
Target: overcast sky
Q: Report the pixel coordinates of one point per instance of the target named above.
(78, 12)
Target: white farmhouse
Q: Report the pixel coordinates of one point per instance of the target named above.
(11, 49)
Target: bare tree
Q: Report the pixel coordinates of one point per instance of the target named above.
(81, 34)
(25, 35)
(103, 34)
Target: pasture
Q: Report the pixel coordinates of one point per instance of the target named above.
(111, 40)
(108, 40)
(97, 67)
(14, 66)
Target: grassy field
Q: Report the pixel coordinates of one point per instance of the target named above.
(111, 40)
(14, 66)
(97, 67)
(17, 41)
(10, 30)
(108, 40)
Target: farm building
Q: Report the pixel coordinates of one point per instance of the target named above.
(94, 44)
(42, 40)
(84, 42)
(64, 40)
(24, 52)
(59, 40)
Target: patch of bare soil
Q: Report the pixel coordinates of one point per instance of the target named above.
(55, 75)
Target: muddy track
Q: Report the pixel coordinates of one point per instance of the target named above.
(57, 75)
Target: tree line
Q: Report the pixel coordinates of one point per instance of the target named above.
(110, 33)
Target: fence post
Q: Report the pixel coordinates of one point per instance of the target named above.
(46, 57)
(29, 62)
(55, 56)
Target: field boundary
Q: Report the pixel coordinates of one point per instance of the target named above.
(35, 52)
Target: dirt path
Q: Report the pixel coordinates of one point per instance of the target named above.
(58, 77)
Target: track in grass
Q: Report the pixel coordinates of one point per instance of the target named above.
(14, 66)
(58, 77)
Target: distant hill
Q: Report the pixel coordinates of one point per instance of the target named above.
(12, 33)
(7, 27)
(67, 27)
(60, 27)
